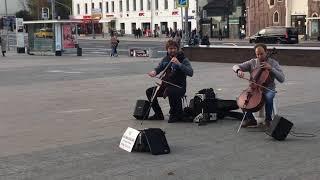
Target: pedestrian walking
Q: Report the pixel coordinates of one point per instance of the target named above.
(114, 45)
(3, 44)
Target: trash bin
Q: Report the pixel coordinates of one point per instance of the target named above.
(79, 51)
(58, 53)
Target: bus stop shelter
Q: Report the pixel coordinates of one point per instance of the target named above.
(53, 36)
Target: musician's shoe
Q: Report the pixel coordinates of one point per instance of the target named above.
(249, 123)
(267, 124)
(156, 117)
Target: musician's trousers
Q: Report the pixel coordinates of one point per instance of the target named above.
(268, 98)
(175, 100)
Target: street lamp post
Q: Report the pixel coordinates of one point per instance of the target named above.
(5, 3)
(151, 19)
(92, 24)
(7, 24)
(197, 17)
(53, 7)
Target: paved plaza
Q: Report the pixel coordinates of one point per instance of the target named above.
(63, 118)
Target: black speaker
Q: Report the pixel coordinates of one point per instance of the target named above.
(141, 110)
(153, 140)
(279, 128)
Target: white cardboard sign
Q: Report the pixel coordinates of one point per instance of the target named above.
(128, 139)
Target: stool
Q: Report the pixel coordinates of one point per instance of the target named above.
(260, 115)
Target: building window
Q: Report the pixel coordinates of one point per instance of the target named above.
(92, 5)
(271, 2)
(314, 26)
(175, 4)
(100, 6)
(112, 6)
(149, 5)
(134, 5)
(107, 7)
(299, 22)
(120, 5)
(78, 8)
(141, 5)
(122, 27)
(276, 17)
(127, 5)
(156, 5)
(279, 0)
(165, 4)
(86, 8)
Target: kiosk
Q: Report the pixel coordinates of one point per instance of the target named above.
(51, 36)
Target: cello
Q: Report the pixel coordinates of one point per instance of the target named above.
(164, 77)
(252, 99)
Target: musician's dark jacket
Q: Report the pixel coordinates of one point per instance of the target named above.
(180, 72)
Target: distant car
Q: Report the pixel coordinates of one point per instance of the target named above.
(44, 33)
(276, 35)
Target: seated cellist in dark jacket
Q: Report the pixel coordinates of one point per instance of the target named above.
(178, 70)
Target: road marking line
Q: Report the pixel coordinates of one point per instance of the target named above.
(73, 72)
(67, 72)
(231, 44)
(75, 111)
(54, 71)
(101, 119)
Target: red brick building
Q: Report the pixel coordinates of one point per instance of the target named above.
(313, 23)
(264, 13)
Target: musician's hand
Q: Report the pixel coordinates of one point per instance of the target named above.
(152, 73)
(240, 74)
(265, 65)
(174, 60)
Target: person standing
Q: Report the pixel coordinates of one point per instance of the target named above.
(220, 35)
(3, 44)
(114, 45)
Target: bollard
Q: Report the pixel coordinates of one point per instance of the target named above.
(79, 51)
(58, 53)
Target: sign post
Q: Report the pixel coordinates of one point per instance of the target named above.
(185, 4)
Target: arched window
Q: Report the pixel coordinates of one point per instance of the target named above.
(276, 17)
(271, 2)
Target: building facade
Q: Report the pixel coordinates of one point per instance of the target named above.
(313, 19)
(297, 12)
(128, 15)
(301, 14)
(264, 13)
(223, 18)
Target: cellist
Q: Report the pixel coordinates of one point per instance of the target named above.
(275, 72)
(178, 70)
